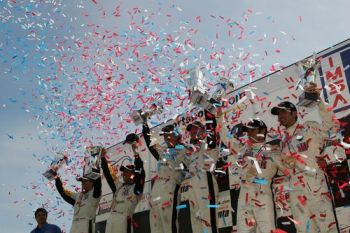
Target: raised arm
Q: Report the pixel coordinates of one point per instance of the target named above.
(146, 132)
(327, 116)
(97, 188)
(108, 173)
(210, 126)
(226, 137)
(139, 174)
(65, 194)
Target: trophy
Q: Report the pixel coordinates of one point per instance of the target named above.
(55, 165)
(199, 96)
(140, 116)
(222, 87)
(91, 168)
(308, 72)
(197, 93)
(211, 104)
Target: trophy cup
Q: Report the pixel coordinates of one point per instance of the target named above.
(91, 168)
(139, 116)
(222, 87)
(308, 72)
(197, 93)
(55, 165)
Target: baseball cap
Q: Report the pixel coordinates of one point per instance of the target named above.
(195, 124)
(254, 124)
(82, 178)
(286, 105)
(130, 138)
(128, 167)
(86, 178)
(167, 129)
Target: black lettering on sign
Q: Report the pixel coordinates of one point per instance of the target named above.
(223, 213)
(184, 188)
(302, 147)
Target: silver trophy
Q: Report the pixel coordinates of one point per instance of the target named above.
(197, 93)
(308, 71)
(223, 87)
(91, 168)
(140, 116)
(59, 160)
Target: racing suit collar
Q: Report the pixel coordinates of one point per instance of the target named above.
(292, 129)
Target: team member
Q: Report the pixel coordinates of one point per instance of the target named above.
(171, 171)
(259, 163)
(84, 203)
(311, 202)
(44, 227)
(127, 194)
(255, 162)
(200, 189)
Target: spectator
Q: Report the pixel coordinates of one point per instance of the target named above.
(44, 227)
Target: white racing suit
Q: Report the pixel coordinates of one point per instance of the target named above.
(281, 191)
(311, 202)
(201, 190)
(255, 212)
(84, 204)
(164, 194)
(125, 198)
(255, 165)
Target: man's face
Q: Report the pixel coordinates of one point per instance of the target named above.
(286, 117)
(254, 134)
(41, 218)
(87, 185)
(170, 139)
(196, 133)
(127, 176)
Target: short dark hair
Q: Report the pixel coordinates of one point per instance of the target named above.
(255, 124)
(195, 124)
(40, 210)
(168, 128)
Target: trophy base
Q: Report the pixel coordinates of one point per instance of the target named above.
(50, 174)
(308, 100)
(92, 175)
(198, 98)
(136, 117)
(211, 105)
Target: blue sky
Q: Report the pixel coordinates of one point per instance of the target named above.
(42, 71)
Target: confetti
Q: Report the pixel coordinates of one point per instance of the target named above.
(178, 207)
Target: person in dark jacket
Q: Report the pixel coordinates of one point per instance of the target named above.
(44, 227)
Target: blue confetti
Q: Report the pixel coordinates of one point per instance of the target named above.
(179, 147)
(261, 181)
(213, 206)
(181, 206)
(308, 225)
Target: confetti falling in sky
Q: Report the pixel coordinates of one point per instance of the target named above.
(97, 77)
(85, 80)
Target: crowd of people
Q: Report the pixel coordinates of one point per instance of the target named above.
(187, 172)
